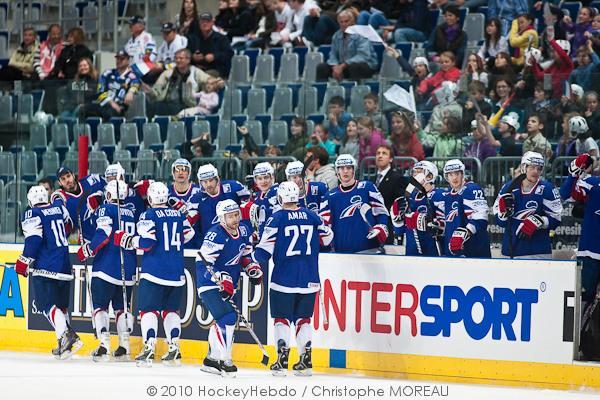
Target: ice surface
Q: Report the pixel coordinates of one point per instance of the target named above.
(41, 377)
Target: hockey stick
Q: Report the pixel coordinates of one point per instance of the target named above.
(211, 271)
(88, 282)
(122, 259)
(515, 183)
(364, 209)
(589, 310)
(415, 184)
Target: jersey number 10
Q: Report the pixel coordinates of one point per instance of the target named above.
(295, 232)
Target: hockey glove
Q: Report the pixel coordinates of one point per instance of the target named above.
(529, 226)
(437, 227)
(124, 240)
(58, 195)
(506, 205)
(225, 283)
(580, 164)
(458, 239)
(84, 252)
(398, 211)
(379, 232)
(22, 266)
(142, 187)
(178, 205)
(94, 201)
(254, 272)
(416, 220)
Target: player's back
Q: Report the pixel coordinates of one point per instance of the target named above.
(48, 223)
(314, 195)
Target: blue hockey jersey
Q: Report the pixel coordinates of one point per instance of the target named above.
(315, 191)
(46, 229)
(185, 197)
(588, 190)
(162, 232)
(204, 206)
(224, 252)
(467, 208)
(293, 238)
(544, 200)
(267, 205)
(107, 259)
(422, 243)
(341, 210)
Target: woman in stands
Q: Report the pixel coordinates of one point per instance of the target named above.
(494, 42)
(187, 19)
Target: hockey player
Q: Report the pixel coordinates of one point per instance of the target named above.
(293, 237)
(46, 257)
(424, 223)
(133, 199)
(180, 194)
(161, 234)
(262, 202)
(310, 193)
(107, 281)
(466, 214)
(226, 248)
(341, 210)
(528, 211)
(213, 190)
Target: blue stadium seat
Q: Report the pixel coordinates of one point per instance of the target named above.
(163, 123)
(117, 121)
(213, 120)
(239, 119)
(405, 48)
(325, 49)
(264, 119)
(252, 56)
(301, 51)
(93, 122)
(276, 52)
(321, 88)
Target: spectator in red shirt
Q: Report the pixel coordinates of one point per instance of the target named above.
(447, 72)
(560, 70)
(404, 138)
(370, 138)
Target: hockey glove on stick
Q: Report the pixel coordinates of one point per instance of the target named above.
(22, 265)
(506, 205)
(254, 272)
(94, 201)
(225, 283)
(178, 205)
(437, 227)
(84, 252)
(379, 232)
(398, 211)
(580, 164)
(458, 239)
(529, 226)
(124, 240)
(416, 220)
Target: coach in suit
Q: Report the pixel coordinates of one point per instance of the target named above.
(389, 180)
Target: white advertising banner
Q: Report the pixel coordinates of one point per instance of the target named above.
(452, 307)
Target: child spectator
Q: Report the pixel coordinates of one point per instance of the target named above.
(296, 145)
(447, 72)
(449, 35)
(447, 107)
(554, 29)
(592, 113)
(594, 34)
(543, 106)
(507, 129)
(371, 106)
(494, 42)
(337, 118)
(535, 138)
(482, 146)
(522, 36)
(449, 142)
(476, 93)
(320, 137)
(370, 138)
(587, 64)
(583, 25)
(404, 138)
(208, 100)
(560, 69)
(350, 142)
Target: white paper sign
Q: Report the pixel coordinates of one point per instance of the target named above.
(365, 31)
(399, 96)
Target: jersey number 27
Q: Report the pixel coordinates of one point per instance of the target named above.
(295, 232)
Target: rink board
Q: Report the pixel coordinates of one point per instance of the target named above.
(485, 321)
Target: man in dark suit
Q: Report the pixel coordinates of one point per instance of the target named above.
(390, 181)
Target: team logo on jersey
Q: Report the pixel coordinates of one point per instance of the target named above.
(226, 188)
(236, 260)
(348, 212)
(530, 208)
(313, 207)
(453, 212)
(531, 204)
(597, 212)
(422, 209)
(215, 220)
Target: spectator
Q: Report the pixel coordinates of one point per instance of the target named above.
(449, 36)
(350, 143)
(448, 72)
(404, 137)
(506, 11)
(300, 10)
(337, 118)
(83, 91)
(554, 29)
(141, 45)
(20, 65)
(172, 41)
(474, 70)
(241, 20)
(187, 19)
(371, 106)
(476, 101)
(211, 51)
(266, 25)
(223, 17)
(296, 145)
(566, 144)
(419, 71)
(48, 52)
(320, 137)
(207, 99)
(174, 90)
(369, 14)
(494, 42)
(409, 25)
(449, 142)
(447, 106)
(522, 36)
(283, 20)
(321, 24)
(250, 148)
(592, 113)
(578, 129)
(588, 62)
(535, 138)
(543, 106)
(273, 151)
(48, 184)
(74, 50)
(583, 25)
(116, 89)
(318, 168)
(574, 102)
(507, 133)
(503, 90)
(370, 138)
(481, 147)
(594, 34)
(502, 69)
(198, 147)
(352, 56)
(560, 69)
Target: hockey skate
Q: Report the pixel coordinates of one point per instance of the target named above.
(102, 352)
(122, 352)
(68, 344)
(146, 357)
(211, 366)
(304, 366)
(228, 370)
(173, 356)
(279, 368)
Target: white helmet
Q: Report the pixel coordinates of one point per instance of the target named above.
(181, 162)
(110, 191)
(263, 168)
(37, 195)
(114, 171)
(577, 125)
(207, 171)
(511, 119)
(345, 160)
(225, 207)
(577, 90)
(294, 168)
(158, 194)
(565, 45)
(453, 166)
(532, 158)
(428, 168)
(287, 192)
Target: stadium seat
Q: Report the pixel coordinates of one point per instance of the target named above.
(255, 131)
(252, 56)
(60, 139)
(97, 162)
(124, 158)
(390, 69)
(199, 127)
(282, 102)
(474, 27)
(106, 139)
(232, 103)
(29, 166)
(175, 135)
(289, 68)
(7, 166)
(313, 59)
(81, 129)
(16, 193)
(316, 118)
(3, 16)
(151, 135)
(227, 134)
(257, 102)
(147, 165)
(93, 122)
(6, 114)
(301, 51)
(213, 121)
(264, 119)
(50, 164)
(240, 69)
(90, 19)
(38, 99)
(71, 160)
(163, 123)
(357, 96)
(332, 91)
(137, 108)
(307, 100)
(265, 69)
(9, 220)
(165, 166)
(4, 44)
(324, 49)
(571, 8)
(405, 48)
(24, 110)
(277, 53)
(129, 138)
(38, 138)
(239, 119)
(187, 123)
(278, 133)
(379, 50)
